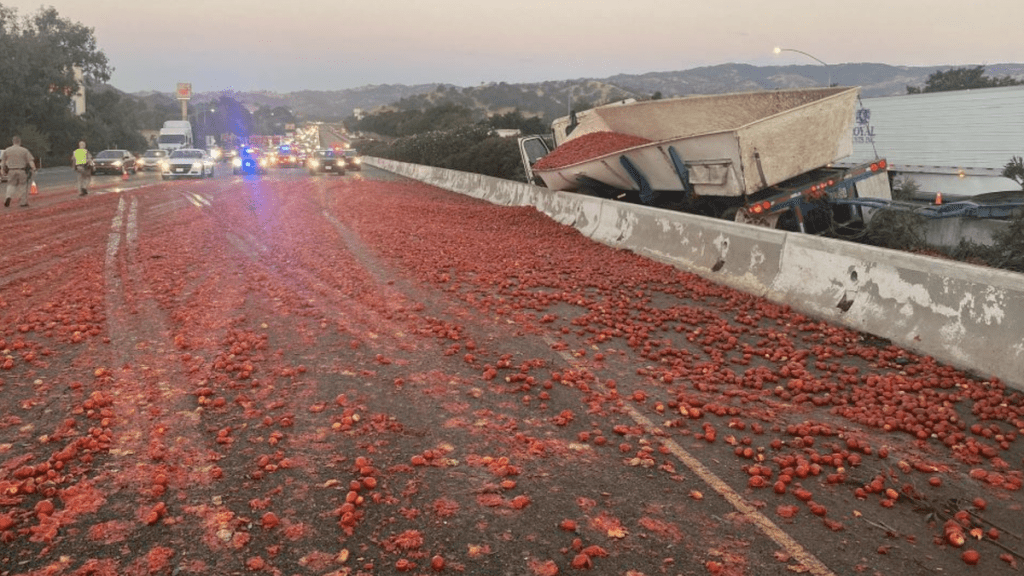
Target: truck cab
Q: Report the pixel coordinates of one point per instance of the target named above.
(175, 134)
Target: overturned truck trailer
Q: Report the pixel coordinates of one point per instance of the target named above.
(759, 157)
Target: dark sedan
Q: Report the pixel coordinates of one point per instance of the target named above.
(114, 162)
(353, 161)
(326, 161)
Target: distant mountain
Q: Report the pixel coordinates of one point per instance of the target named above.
(549, 99)
(874, 79)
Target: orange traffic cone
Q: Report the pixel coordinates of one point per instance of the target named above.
(938, 198)
(35, 189)
(124, 175)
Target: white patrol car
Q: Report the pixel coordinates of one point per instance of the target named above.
(187, 163)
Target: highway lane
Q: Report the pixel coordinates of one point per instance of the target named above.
(361, 373)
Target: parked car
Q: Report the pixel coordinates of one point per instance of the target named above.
(324, 161)
(188, 162)
(114, 162)
(353, 161)
(150, 159)
(249, 161)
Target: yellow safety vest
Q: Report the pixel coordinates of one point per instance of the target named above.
(81, 156)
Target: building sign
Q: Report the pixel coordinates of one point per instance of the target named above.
(863, 131)
(184, 91)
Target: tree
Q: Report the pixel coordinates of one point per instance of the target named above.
(232, 117)
(445, 116)
(38, 55)
(962, 79)
(111, 121)
(1014, 170)
(272, 120)
(516, 121)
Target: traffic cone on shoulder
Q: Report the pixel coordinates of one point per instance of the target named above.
(938, 198)
(35, 189)
(124, 174)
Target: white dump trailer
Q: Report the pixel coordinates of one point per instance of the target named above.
(754, 156)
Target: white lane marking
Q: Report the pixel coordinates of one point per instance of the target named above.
(809, 561)
(132, 227)
(198, 200)
(114, 239)
(194, 202)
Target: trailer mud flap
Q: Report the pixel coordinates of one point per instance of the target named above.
(647, 195)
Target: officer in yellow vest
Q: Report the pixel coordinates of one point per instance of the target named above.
(81, 159)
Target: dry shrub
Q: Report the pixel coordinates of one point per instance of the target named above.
(896, 230)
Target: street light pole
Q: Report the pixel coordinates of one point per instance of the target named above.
(820, 61)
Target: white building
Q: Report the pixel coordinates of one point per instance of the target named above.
(78, 98)
(956, 143)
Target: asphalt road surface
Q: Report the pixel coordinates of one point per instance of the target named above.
(361, 374)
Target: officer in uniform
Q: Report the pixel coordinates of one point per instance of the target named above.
(17, 163)
(81, 159)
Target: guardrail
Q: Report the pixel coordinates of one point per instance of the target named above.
(969, 316)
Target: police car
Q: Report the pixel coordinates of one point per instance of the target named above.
(187, 163)
(249, 161)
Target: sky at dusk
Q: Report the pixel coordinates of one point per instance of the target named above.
(292, 45)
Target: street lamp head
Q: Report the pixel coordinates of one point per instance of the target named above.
(779, 50)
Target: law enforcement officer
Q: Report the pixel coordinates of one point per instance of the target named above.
(17, 163)
(81, 159)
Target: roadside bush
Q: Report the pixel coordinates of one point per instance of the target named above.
(904, 188)
(896, 230)
(1014, 170)
(1009, 245)
(472, 148)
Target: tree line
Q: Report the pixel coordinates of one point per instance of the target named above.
(969, 78)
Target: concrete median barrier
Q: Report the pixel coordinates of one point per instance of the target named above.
(743, 257)
(968, 316)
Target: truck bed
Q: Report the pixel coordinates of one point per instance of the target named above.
(730, 144)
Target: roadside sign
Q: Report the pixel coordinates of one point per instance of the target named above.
(184, 90)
